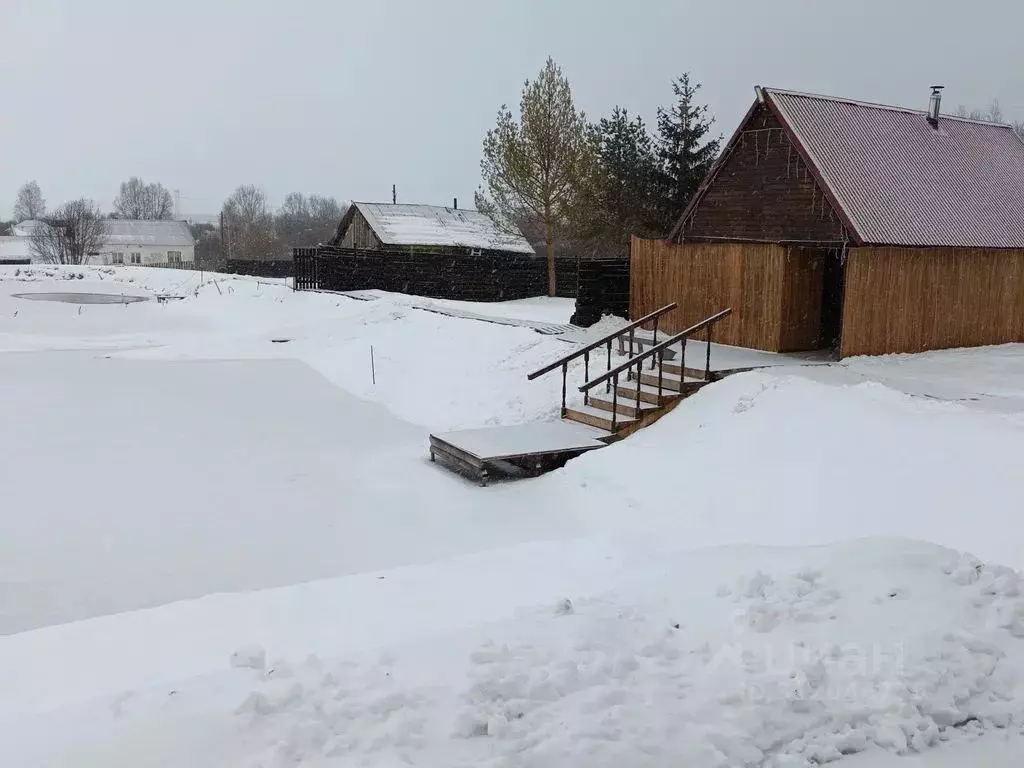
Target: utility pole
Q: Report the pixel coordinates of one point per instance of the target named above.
(394, 195)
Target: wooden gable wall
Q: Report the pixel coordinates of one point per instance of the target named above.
(763, 191)
(359, 234)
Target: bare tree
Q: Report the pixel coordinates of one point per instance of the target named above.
(72, 234)
(139, 200)
(306, 221)
(249, 226)
(30, 203)
(993, 114)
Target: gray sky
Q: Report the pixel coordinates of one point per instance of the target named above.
(345, 98)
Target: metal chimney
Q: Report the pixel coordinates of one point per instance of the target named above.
(934, 102)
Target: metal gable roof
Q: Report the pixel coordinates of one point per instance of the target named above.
(401, 224)
(900, 181)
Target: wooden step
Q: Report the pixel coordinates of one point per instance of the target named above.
(692, 373)
(648, 394)
(595, 417)
(671, 382)
(625, 404)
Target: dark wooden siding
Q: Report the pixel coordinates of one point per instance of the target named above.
(763, 191)
(359, 234)
(774, 291)
(802, 289)
(915, 299)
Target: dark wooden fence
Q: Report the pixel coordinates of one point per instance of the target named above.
(460, 276)
(603, 289)
(259, 268)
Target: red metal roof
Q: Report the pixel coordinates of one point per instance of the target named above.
(899, 181)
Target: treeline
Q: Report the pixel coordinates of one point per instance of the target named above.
(247, 229)
(585, 186)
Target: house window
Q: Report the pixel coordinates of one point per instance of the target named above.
(136, 258)
(117, 258)
(174, 257)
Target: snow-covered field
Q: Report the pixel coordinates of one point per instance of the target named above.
(774, 574)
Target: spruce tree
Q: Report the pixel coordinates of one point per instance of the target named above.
(621, 199)
(685, 151)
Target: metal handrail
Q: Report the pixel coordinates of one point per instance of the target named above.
(564, 361)
(637, 360)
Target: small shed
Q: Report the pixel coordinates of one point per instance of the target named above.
(835, 222)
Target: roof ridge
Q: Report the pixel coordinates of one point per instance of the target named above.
(419, 205)
(877, 105)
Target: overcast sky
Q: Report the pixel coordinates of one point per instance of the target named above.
(345, 98)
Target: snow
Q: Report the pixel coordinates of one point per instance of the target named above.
(221, 550)
(524, 439)
(741, 656)
(127, 232)
(403, 224)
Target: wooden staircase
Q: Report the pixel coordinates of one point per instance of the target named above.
(640, 390)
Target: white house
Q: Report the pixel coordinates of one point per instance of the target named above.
(14, 248)
(146, 242)
(127, 242)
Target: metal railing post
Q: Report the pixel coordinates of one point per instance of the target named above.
(639, 375)
(615, 400)
(586, 376)
(655, 342)
(565, 373)
(707, 361)
(682, 364)
(661, 371)
(608, 384)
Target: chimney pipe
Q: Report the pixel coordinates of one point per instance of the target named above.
(934, 102)
(455, 203)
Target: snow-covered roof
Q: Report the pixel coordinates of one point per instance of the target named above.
(133, 232)
(401, 224)
(27, 228)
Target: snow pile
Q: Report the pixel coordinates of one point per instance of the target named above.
(775, 457)
(623, 683)
(734, 657)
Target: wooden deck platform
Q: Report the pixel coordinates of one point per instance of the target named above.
(526, 449)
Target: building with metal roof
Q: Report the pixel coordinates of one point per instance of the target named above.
(831, 222)
(390, 225)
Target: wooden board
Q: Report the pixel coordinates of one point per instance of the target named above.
(915, 299)
(530, 448)
(774, 291)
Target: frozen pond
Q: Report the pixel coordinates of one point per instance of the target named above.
(81, 298)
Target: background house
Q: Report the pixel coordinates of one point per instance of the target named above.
(130, 241)
(424, 250)
(827, 221)
(127, 241)
(378, 226)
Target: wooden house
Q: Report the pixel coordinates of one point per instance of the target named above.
(424, 250)
(382, 226)
(832, 222)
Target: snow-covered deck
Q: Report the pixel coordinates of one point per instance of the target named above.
(479, 451)
(726, 358)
